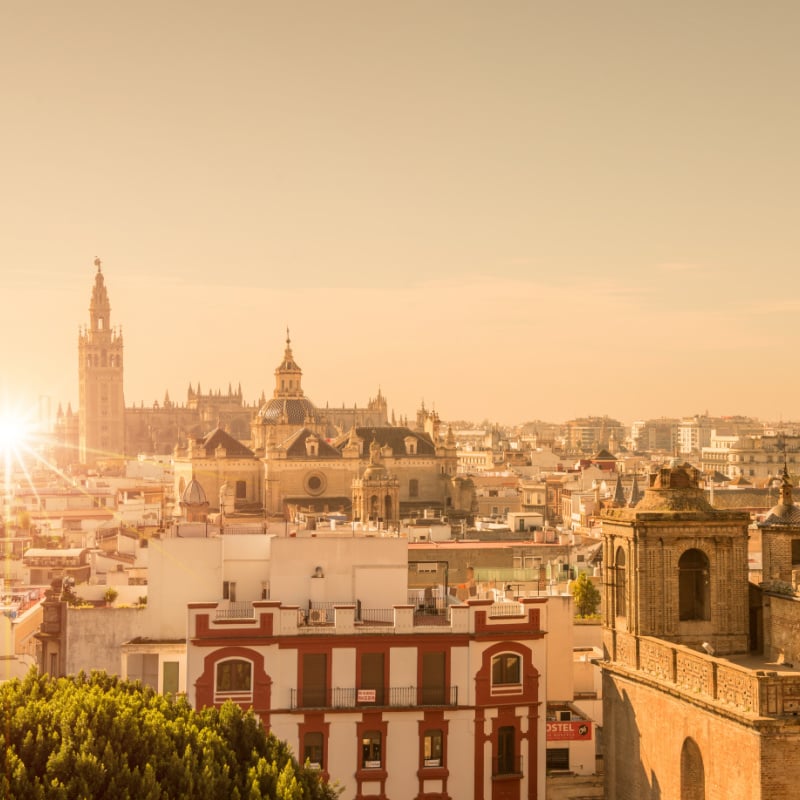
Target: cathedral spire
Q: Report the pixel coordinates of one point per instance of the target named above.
(619, 493)
(288, 375)
(786, 487)
(99, 306)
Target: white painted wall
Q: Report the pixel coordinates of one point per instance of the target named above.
(181, 571)
(294, 561)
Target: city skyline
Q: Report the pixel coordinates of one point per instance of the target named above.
(516, 214)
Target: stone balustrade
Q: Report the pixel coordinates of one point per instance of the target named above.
(758, 692)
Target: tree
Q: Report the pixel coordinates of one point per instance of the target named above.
(587, 597)
(98, 736)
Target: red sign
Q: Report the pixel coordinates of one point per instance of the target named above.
(579, 730)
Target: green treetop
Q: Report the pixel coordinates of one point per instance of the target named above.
(587, 597)
(101, 737)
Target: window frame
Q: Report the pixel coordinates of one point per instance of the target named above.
(694, 586)
(317, 744)
(506, 677)
(432, 743)
(373, 740)
(232, 690)
(506, 762)
(620, 583)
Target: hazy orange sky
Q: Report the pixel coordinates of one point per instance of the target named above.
(512, 210)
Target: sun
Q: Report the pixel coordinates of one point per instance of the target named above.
(14, 432)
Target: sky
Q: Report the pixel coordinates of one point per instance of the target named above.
(505, 210)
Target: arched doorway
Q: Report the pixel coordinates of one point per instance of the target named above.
(693, 775)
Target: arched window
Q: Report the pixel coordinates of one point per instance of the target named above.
(620, 588)
(235, 675)
(693, 776)
(506, 669)
(693, 586)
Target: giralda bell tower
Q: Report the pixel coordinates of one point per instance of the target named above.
(102, 404)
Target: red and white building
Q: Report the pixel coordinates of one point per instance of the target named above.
(388, 695)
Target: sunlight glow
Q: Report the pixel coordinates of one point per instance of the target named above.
(14, 432)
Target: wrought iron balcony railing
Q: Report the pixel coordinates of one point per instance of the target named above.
(394, 697)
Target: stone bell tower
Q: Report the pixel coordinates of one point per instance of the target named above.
(675, 568)
(102, 404)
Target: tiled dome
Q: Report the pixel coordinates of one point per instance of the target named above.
(294, 409)
(193, 494)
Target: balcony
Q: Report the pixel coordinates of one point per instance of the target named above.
(393, 697)
(235, 610)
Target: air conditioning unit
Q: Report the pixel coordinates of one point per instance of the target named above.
(316, 616)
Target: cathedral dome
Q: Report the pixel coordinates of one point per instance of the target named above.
(294, 410)
(288, 406)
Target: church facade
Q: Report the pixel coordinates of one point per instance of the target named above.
(374, 474)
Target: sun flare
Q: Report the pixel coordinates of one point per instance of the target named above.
(14, 432)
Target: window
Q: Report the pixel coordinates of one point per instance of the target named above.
(235, 675)
(372, 678)
(619, 592)
(413, 488)
(557, 758)
(432, 749)
(795, 551)
(433, 679)
(693, 586)
(241, 490)
(170, 677)
(315, 678)
(371, 750)
(506, 761)
(506, 669)
(312, 749)
(229, 591)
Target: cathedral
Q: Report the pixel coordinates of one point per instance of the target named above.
(280, 456)
(104, 430)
